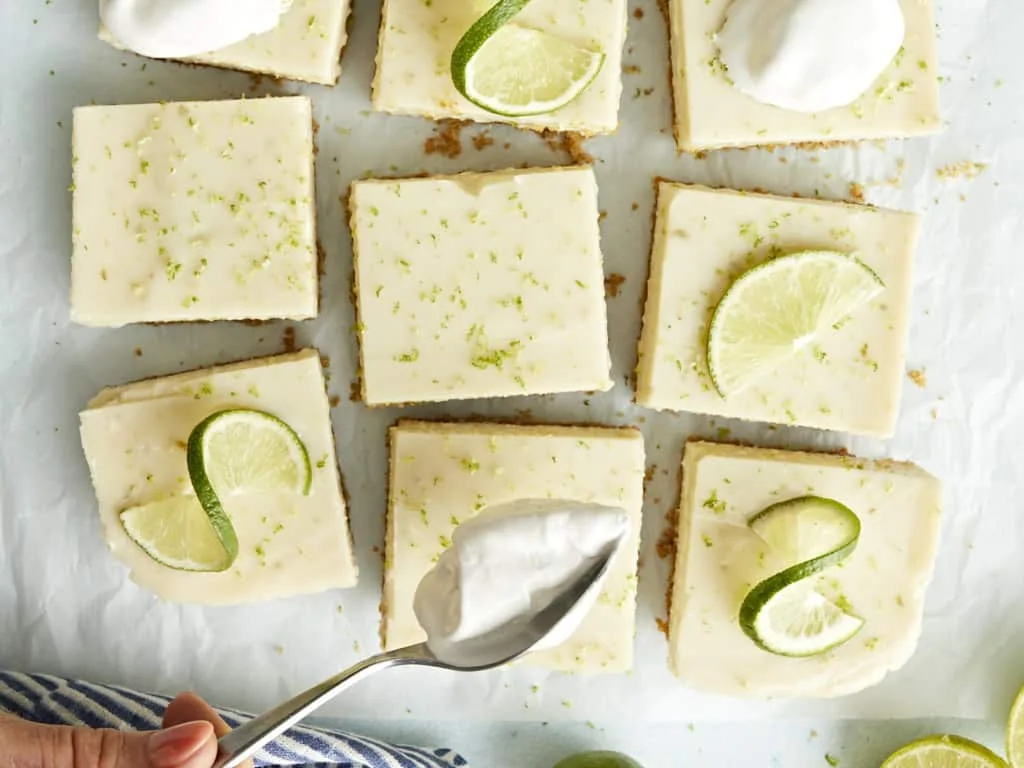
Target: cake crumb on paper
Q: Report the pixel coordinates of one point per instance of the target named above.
(918, 377)
(965, 169)
(612, 284)
(447, 139)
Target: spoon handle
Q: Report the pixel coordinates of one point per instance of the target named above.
(243, 742)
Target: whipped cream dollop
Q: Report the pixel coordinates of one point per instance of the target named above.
(809, 55)
(174, 29)
(509, 563)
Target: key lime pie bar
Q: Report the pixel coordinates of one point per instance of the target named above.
(443, 474)
(479, 285)
(193, 211)
(305, 45)
(798, 574)
(269, 454)
(557, 66)
(802, 306)
(749, 73)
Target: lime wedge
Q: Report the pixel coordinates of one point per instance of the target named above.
(177, 533)
(783, 614)
(778, 308)
(944, 752)
(516, 71)
(1015, 732)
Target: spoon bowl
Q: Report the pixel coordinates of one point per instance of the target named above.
(493, 649)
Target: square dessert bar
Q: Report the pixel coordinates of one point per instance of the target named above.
(193, 211)
(850, 380)
(711, 113)
(479, 285)
(417, 39)
(135, 436)
(443, 474)
(719, 559)
(306, 45)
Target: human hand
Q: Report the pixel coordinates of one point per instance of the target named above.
(189, 740)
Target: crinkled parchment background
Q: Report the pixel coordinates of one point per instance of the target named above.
(65, 604)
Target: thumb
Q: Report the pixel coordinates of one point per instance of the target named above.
(27, 745)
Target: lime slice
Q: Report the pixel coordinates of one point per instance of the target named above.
(516, 71)
(944, 752)
(805, 528)
(244, 451)
(177, 533)
(783, 614)
(778, 308)
(230, 452)
(1015, 732)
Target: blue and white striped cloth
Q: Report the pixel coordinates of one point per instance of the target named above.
(56, 701)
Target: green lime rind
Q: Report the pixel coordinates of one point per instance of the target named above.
(944, 751)
(208, 498)
(500, 14)
(1015, 732)
(771, 358)
(776, 589)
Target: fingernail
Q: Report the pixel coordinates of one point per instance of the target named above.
(174, 746)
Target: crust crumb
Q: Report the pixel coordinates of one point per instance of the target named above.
(355, 391)
(856, 192)
(965, 169)
(570, 143)
(666, 545)
(447, 139)
(138, 351)
(662, 626)
(612, 283)
(638, 13)
(335, 401)
(482, 140)
(288, 340)
(918, 377)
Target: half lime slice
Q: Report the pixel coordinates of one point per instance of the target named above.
(946, 751)
(783, 614)
(513, 70)
(778, 308)
(177, 533)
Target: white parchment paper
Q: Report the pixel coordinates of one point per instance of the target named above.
(65, 604)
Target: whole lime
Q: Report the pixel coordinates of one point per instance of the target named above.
(599, 760)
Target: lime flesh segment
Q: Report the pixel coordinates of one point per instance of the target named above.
(244, 451)
(782, 614)
(176, 532)
(944, 752)
(1015, 732)
(778, 308)
(517, 71)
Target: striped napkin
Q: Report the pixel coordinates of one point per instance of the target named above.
(56, 701)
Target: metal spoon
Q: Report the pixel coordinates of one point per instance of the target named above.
(474, 655)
